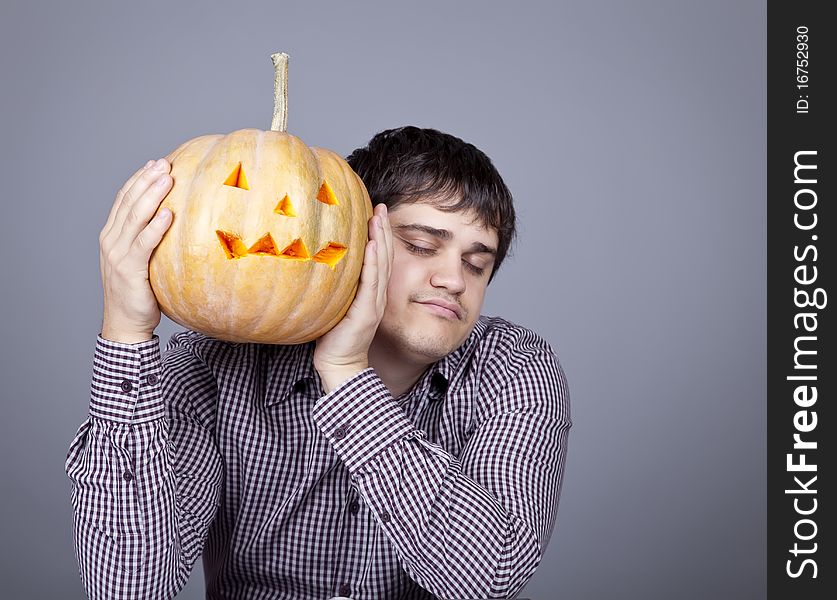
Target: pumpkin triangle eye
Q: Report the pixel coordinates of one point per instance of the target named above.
(326, 194)
(330, 254)
(232, 244)
(297, 250)
(285, 208)
(237, 178)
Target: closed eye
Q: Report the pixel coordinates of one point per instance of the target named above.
(430, 251)
(473, 268)
(418, 249)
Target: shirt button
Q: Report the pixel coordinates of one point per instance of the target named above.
(385, 517)
(345, 589)
(151, 379)
(354, 507)
(438, 385)
(339, 433)
(128, 476)
(300, 386)
(126, 385)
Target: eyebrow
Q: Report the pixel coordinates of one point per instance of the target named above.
(444, 234)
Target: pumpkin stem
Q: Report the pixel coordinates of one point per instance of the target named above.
(280, 92)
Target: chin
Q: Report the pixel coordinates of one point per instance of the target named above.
(429, 348)
(426, 341)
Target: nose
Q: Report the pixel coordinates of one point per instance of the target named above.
(448, 274)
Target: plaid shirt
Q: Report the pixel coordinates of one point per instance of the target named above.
(234, 451)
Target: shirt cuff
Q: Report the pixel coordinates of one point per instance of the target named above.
(361, 419)
(126, 386)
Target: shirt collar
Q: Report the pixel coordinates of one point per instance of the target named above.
(446, 374)
(455, 366)
(442, 378)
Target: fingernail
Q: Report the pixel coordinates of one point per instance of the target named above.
(164, 214)
(161, 180)
(148, 164)
(158, 164)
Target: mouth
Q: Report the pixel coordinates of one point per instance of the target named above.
(444, 309)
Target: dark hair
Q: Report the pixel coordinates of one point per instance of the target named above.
(409, 164)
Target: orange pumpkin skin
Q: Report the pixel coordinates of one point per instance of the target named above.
(267, 239)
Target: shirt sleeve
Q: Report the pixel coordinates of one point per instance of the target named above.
(144, 469)
(472, 526)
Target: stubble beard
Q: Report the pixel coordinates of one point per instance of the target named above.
(410, 339)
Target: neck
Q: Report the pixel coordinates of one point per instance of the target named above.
(398, 374)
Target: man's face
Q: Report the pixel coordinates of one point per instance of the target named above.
(441, 259)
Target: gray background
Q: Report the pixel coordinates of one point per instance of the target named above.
(632, 135)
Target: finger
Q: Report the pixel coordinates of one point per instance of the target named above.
(388, 234)
(388, 241)
(151, 236)
(121, 193)
(378, 231)
(141, 212)
(136, 190)
(382, 252)
(372, 226)
(367, 287)
(373, 230)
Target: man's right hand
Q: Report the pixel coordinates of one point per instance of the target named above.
(131, 312)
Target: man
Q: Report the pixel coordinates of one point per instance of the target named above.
(415, 450)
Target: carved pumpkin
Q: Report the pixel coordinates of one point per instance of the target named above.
(268, 235)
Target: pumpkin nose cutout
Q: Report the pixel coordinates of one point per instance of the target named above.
(285, 208)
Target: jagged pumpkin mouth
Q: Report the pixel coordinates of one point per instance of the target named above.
(234, 247)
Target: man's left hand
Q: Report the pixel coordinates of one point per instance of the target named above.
(344, 351)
